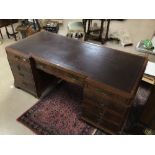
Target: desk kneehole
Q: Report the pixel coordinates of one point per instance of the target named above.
(61, 73)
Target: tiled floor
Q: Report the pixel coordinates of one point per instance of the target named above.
(13, 102)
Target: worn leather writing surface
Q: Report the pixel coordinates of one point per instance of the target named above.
(115, 68)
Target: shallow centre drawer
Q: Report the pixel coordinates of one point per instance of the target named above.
(61, 73)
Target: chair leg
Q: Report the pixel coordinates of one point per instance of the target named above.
(14, 34)
(1, 34)
(7, 32)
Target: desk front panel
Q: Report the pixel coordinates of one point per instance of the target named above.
(60, 72)
(22, 71)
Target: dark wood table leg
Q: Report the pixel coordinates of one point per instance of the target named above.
(11, 34)
(88, 29)
(1, 34)
(107, 32)
(101, 29)
(7, 32)
(14, 33)
(84, 21)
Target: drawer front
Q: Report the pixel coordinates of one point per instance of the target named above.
(28, 86)
(21, 72)
(70, 77)
(99, 94)
(100, 122)
(22, 77)
(101, 101)
(24, 65)
(21, 69)
(103, 111)
(17, 57)
(105, 124)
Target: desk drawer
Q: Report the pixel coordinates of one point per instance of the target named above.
(98, 100)
(61, 73)
(102, 111)
(17, 57)
(29, 86)
(100, 122)
(99, 94)
(22, 72)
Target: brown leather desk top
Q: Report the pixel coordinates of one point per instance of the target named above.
(115, 68)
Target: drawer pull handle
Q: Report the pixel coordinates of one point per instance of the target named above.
(19, 58)
(24, 59)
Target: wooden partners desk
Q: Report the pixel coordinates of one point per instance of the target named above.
(109, 78)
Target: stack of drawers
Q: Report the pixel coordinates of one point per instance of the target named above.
(104, 109)
(22, 72)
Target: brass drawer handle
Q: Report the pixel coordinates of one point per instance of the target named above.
(17, 57)
(20, 58)
(24, 59)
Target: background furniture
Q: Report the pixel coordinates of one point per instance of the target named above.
(107, 98)
(52, 27)
(75, 29)
(7, 22)
(27, 28)
(1, 34)
(98, 33)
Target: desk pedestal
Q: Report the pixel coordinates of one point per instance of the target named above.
(148, 115)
